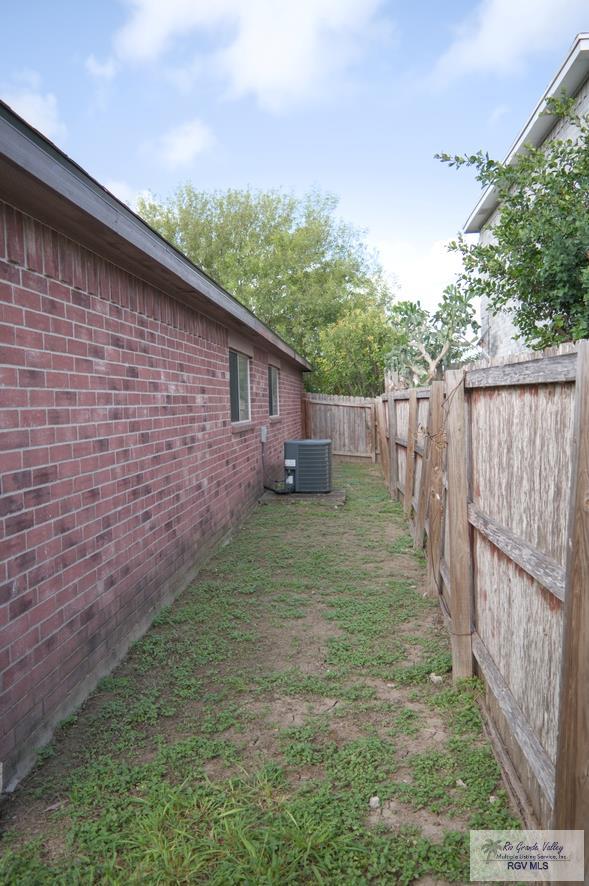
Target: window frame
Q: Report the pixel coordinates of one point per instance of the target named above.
(239, 355)
(273, 369)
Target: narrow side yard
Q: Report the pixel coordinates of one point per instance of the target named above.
(245, 738)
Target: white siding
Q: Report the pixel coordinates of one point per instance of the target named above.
(498, 332)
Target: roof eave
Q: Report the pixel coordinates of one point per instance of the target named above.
(28, 152)
(569, 79)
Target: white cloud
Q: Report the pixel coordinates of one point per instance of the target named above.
(183, 77)
(497, 114)
(277, 52)
(181, 145)
(421, 268)
(153, 25)
(499, 35)
(105, 70)
(25, 96)
(287, 51)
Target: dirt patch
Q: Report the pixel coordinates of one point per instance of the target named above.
(281, 712)
(298, 643)
(394, 814)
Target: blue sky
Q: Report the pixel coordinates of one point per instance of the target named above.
(350, 96)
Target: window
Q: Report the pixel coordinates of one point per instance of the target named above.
(239, 386)
(273, 377)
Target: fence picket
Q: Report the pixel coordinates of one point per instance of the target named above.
(571, 809)
(460, 553)
(410, 453)
(394, 462)
(436, 490)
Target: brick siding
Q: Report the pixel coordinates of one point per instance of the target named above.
(120, 466)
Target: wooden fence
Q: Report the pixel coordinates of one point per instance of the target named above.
(349, 422)
(357, 426)
(492, 467)
(495, 481)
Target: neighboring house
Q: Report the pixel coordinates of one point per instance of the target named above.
(497, 332)
(133, 393)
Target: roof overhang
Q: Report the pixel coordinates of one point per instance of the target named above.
(569, 79)
(38, 178)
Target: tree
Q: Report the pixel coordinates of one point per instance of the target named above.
(289, 259)
(426, 344)
(537, 267)
(353, 353)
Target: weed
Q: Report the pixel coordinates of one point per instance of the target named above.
(46, 753)
(440, 663)
(407, 722)
(402, 544)
(68, 722)
(301, 745)
(221, 720)
(459, 703)
(458, 780)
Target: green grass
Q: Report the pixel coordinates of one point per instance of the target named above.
(407, 722)
(434, 784)
(233, 747)
(402, 544)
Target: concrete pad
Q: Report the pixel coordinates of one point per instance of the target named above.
(331, 499)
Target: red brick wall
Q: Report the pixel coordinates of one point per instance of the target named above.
(120, 466)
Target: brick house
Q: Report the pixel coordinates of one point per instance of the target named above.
(498, 331)
(133, 394)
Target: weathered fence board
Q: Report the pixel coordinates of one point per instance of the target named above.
(425, 481)
(349, 422)
(410, 453)
(536, 756)
(434, 493)
(546, 570)
(571, 808)
(383, 445)
(402, 408)
(521, 625)
(405, 395)
(533, 372)
(460, 565)
(393, 461)
(402, 462)
(528, 495)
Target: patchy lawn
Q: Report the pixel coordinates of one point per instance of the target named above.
(242, 739)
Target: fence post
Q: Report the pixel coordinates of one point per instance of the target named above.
(305, 418)
(410, 457)
(435, 508)
(460, 566)
(382, 438)
(391, 380)
(571, 806)
(394, 462)
(372, 419)
(435, 501)
(424, 486)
